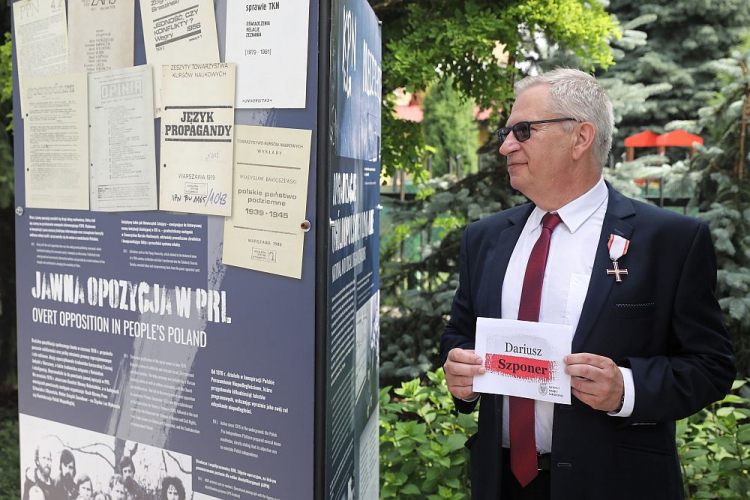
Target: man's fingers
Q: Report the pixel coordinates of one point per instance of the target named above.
(461, 382)
(585, 358)
(461, 387)
(466, 356)
(462, 369)
(595, 380)
(585, 386)
(584, 371)
(462, 362)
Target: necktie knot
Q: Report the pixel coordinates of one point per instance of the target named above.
(550, 221)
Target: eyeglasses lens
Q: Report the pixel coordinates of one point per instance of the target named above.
(521, 130)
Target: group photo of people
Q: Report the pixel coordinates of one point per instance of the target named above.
(67, 463)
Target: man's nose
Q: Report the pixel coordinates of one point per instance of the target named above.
(509, 145)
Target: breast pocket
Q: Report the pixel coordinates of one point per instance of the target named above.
(633, 310)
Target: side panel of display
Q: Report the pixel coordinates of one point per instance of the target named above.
(353, 258)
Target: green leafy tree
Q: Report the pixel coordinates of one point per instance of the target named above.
(417, 294)
(723, 194)
(450, 128)
(7, 222)
(430, 41)
(460, 39)
(6, 122)
(684, 38)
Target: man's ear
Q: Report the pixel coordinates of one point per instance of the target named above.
(583, 139)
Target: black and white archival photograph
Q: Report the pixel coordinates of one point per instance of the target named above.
(61, 462)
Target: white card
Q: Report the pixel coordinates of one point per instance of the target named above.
(524, 358)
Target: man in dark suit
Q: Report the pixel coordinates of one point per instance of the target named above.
(649, 346)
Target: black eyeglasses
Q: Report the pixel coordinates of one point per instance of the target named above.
(522, 130)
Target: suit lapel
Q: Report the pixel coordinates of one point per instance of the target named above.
(506, 242)
(618, 208)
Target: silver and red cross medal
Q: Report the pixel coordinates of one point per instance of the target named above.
(618, 247)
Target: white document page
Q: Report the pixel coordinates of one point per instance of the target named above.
(268, 41)
(178, 32)
(270, 197)
(197, 130)
(524, 358)
(122, 144)
(56, 152)
(101, 34)
(41, 40)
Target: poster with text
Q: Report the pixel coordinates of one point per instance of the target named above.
(265, 231)
(121, 140)
(197, 145)
(101, 35)
(268, 42)
(178, 32)
(56, 126)
(144, 362)
(40, 40)
(353, 260)
(358, 72)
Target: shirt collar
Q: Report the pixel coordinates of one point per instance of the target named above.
(575, 213)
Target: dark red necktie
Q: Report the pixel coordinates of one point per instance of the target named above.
(523, 461)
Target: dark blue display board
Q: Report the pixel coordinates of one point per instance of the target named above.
(352, 428)
(135, 341)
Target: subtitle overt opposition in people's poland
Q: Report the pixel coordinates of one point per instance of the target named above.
(635, 282)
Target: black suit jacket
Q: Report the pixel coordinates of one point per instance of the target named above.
(662, 321)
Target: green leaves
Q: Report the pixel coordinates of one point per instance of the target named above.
(714, 449)
(9, 458)
(6, 94)
(421, 459)
(422, 452)
(474, 44)
(6, 74)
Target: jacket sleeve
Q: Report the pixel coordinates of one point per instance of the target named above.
(461, 328)
(699, 367)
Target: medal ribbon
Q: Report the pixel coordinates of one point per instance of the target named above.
(618, 246)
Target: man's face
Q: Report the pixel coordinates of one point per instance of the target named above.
(128, 472)
(44, 463)
(540, 164)
(117, 492)
(68, 471)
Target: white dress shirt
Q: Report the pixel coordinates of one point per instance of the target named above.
(572, 250)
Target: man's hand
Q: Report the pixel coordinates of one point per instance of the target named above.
(596, 380)
(460, 368)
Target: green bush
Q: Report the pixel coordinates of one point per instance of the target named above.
(422, 452)
(10, 456)
(714, 447)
